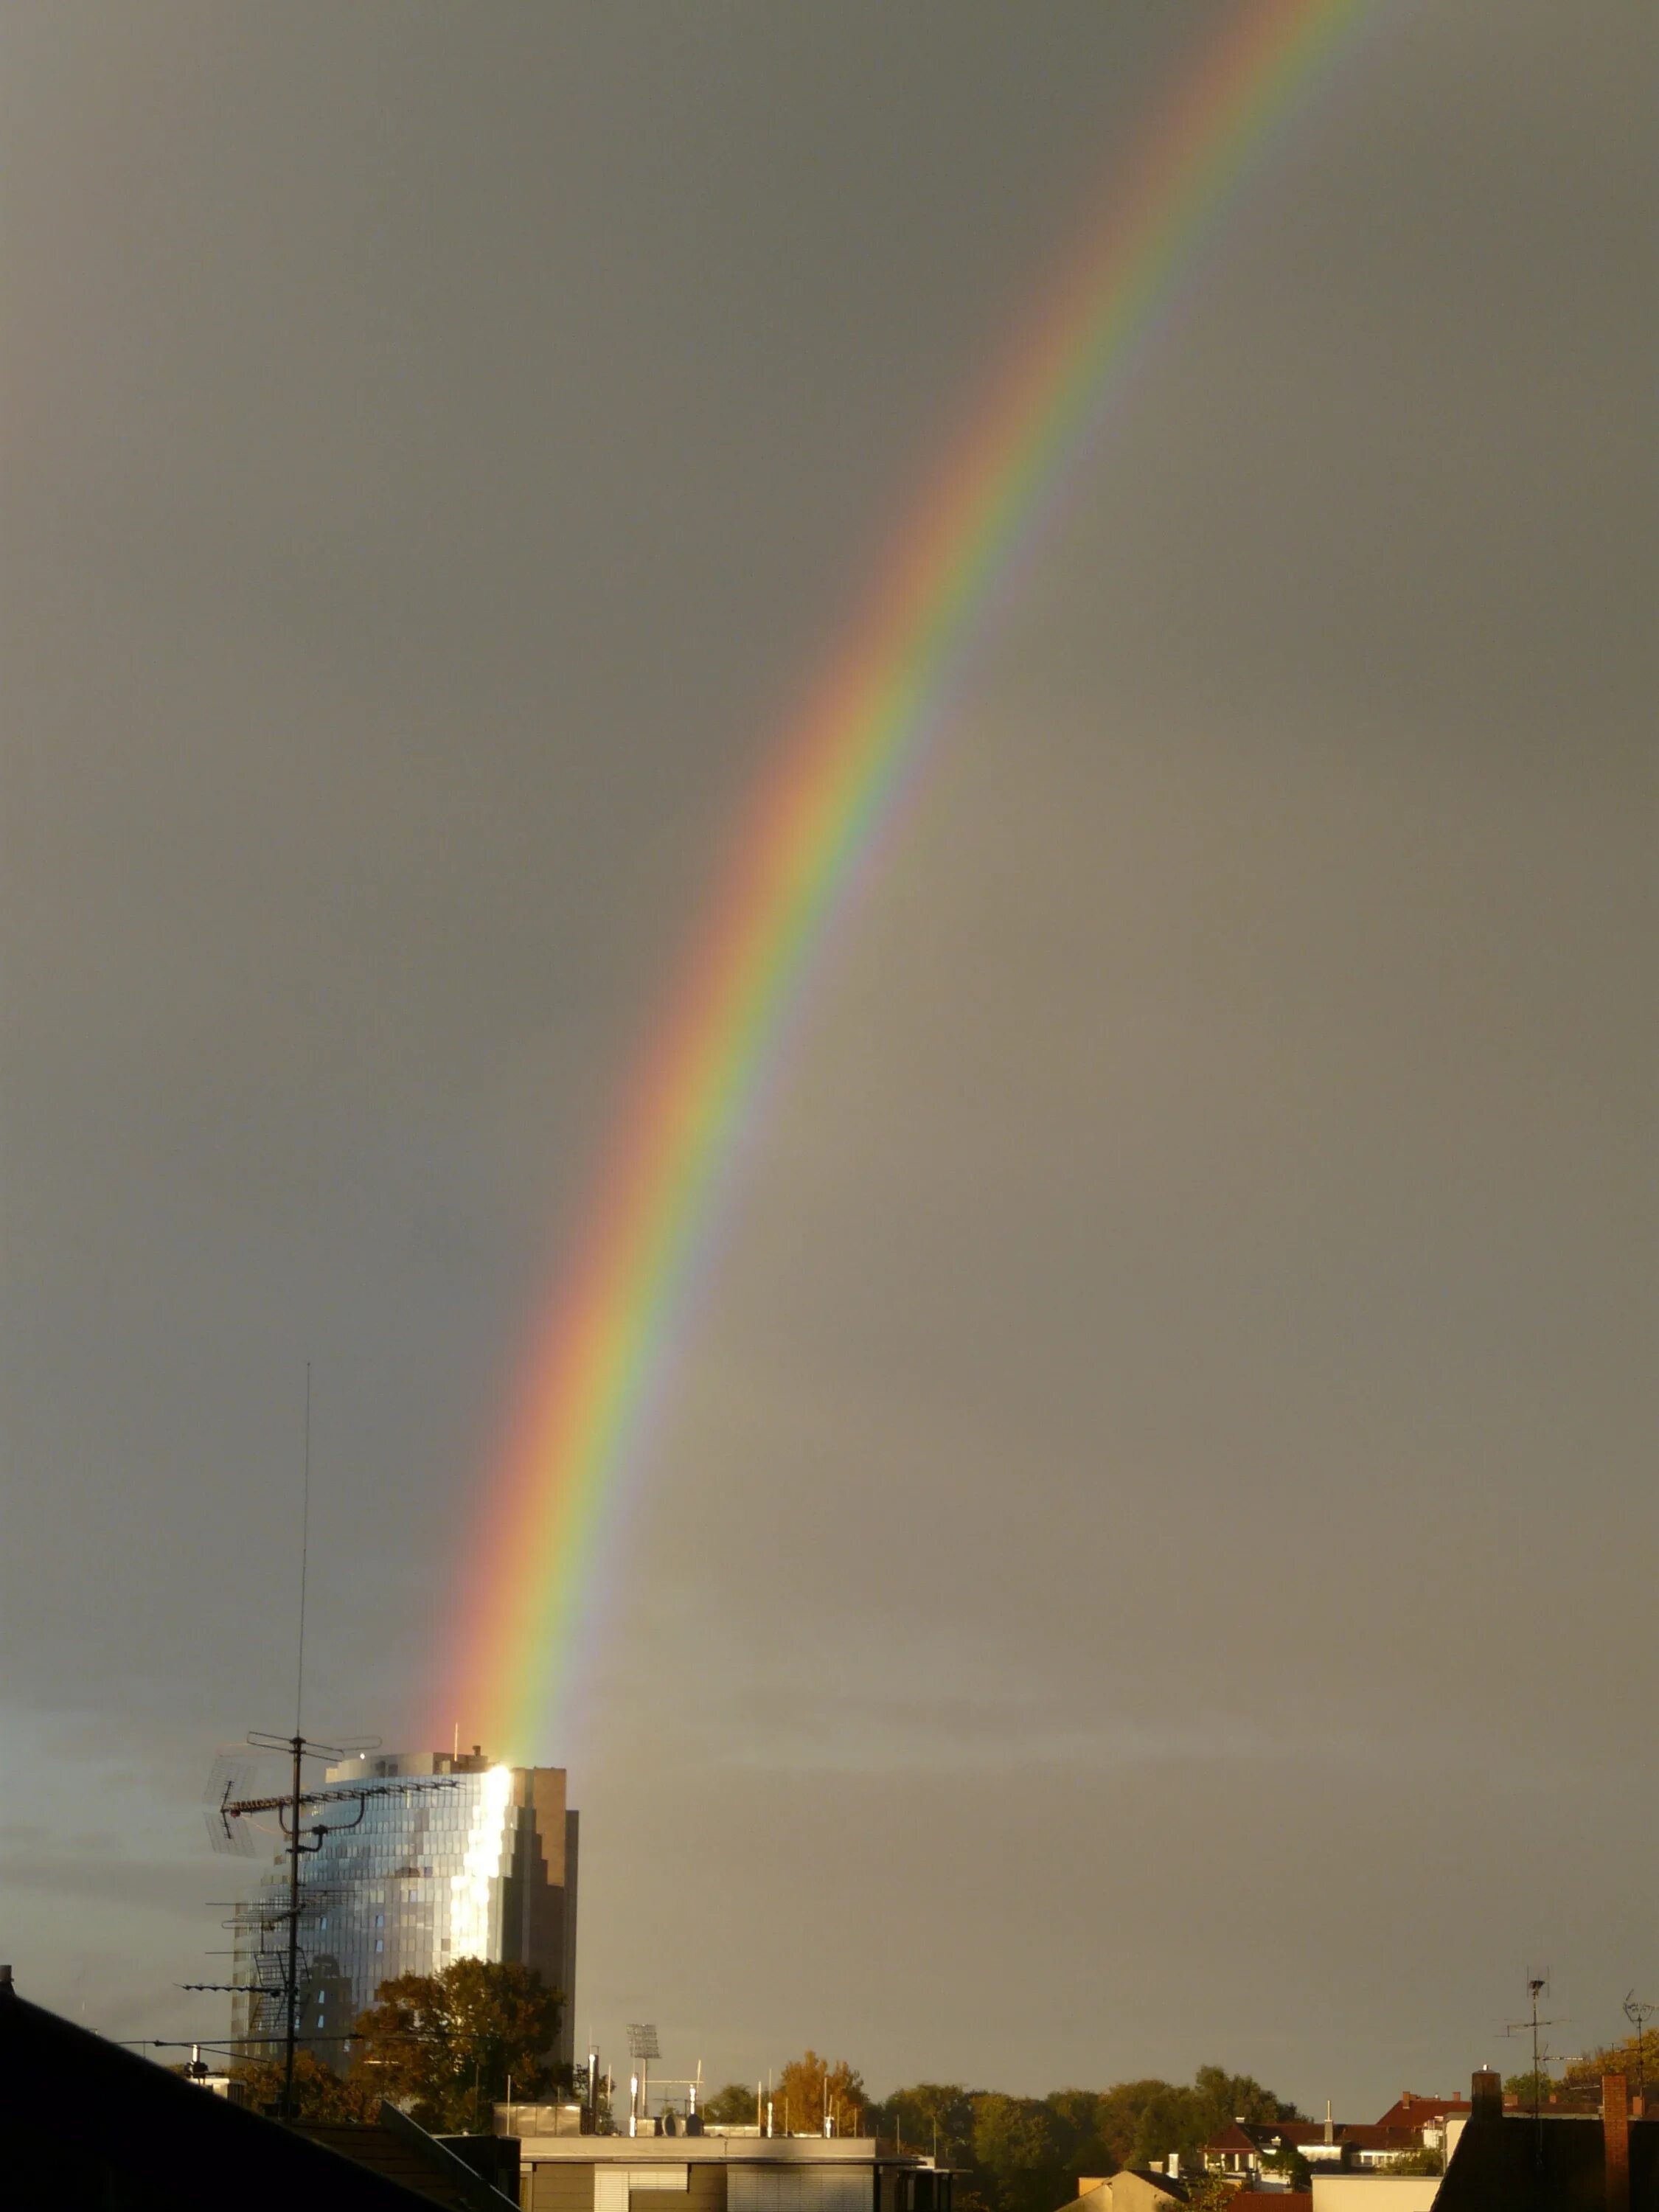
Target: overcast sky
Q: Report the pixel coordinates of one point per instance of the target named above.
(1151, 1557)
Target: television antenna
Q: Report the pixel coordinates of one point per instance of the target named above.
(231, 1820)
(1639, 2014)
(1537, 1986)
(230, 1804)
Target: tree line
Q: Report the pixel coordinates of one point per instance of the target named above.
(447, 2047)
(1012, 2153)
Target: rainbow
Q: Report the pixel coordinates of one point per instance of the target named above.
(621, 1308)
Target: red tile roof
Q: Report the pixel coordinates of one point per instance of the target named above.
(1231, 2138)
(1375, 2135)
(1410, 2111)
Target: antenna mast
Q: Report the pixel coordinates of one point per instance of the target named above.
(1639, 2014)
(1537, 1985)
(305, 1556)
(301, 1836)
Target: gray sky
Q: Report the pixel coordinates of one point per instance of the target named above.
(1151, 1558)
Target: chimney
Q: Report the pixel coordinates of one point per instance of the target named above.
(7, 1987)
(1616, 2141)
(1485, 2096)
(1330, 2126)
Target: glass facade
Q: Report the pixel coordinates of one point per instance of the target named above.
(470, 1861)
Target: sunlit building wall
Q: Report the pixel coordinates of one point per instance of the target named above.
(482, 1866)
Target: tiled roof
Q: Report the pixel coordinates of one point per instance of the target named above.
(1232, 2137)
(1411, 2111)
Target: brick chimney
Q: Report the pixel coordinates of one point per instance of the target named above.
(1485, 2096)
(1616, 2141)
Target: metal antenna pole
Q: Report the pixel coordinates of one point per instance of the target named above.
(291, 2024)
(297, 1746)
(305, 1555)
(1639, 2014)
(299, 1836)
(1536, 1984)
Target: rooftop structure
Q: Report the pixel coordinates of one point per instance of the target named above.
(714, 2172)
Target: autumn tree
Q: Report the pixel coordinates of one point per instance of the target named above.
(1636, 2057)
(809, 2085)
(1209, 2193)
(1579, 2089)
(319, 2093)
(446, 2046)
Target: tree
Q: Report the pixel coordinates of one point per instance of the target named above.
(1288, 2160)
(1636, 2057)
(1019, 2148)
(1118, 2115)
(446, 2046)
(1174, 2117)
(319, 2092)
(1077, 2112)
(931, 2112)
(1210, 2193)
(808, 2085)
(1237, 2097)
(1140, 2121)
(733, 2106)
(1529, 2087)
(1425, 2159)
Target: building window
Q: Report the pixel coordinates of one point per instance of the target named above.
(380, 1943)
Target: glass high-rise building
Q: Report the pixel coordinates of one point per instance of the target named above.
(472, 1860)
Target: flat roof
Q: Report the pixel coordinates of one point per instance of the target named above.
(698, 2150)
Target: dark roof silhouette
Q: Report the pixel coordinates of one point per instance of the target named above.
(1556, 2166)
(85, 2123)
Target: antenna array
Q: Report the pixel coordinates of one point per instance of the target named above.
(267, 1930)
